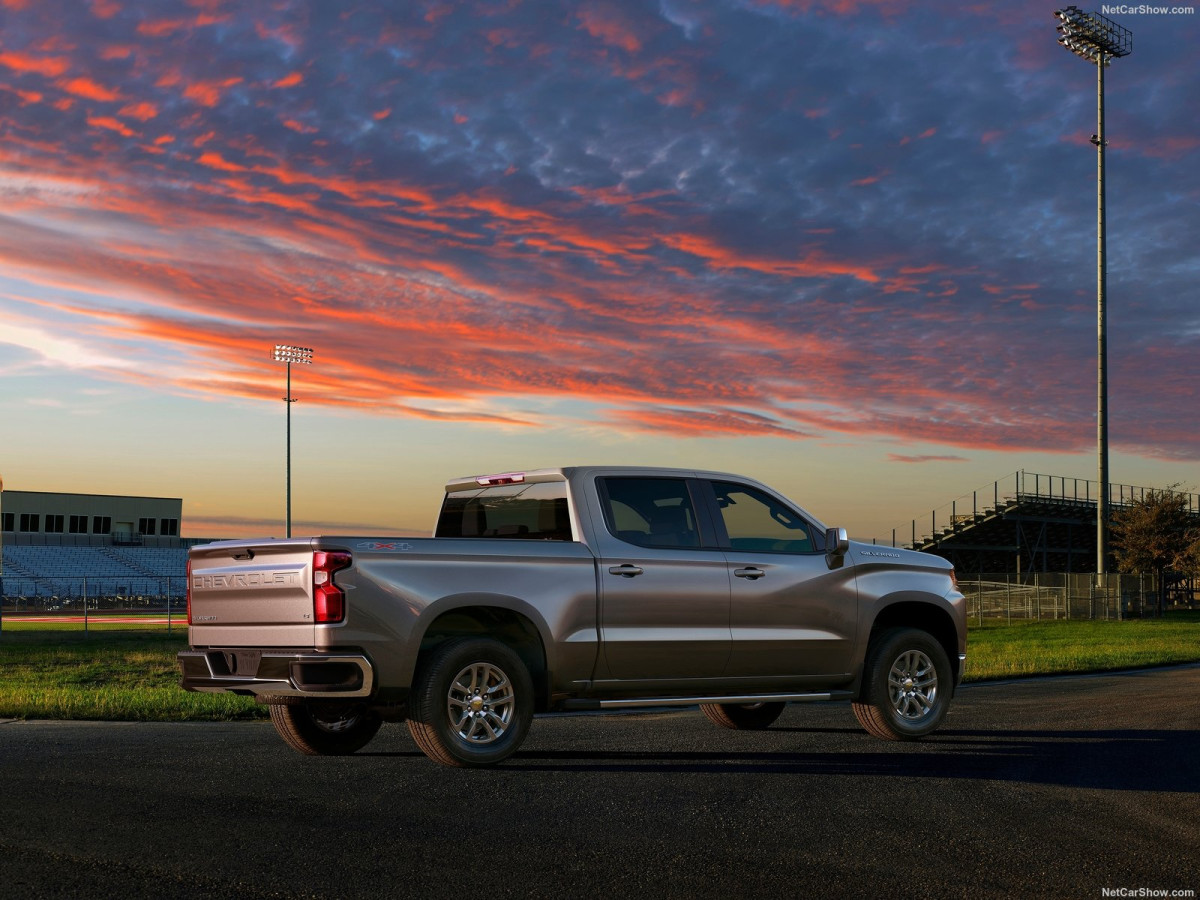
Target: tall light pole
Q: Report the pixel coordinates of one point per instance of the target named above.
(286, 353)
(1098, 40)
(1, 554)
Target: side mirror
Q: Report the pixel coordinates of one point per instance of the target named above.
(837, 542)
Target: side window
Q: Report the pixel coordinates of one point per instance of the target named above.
(757, 521)
(651, 512)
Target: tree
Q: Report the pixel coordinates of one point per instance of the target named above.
(1157, 534)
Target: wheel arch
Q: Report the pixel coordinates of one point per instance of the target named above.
(503, 618)
(922, 614)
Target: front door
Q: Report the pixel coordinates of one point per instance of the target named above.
(790, 614)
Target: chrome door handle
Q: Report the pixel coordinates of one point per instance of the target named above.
(750, 572)
(625, 571)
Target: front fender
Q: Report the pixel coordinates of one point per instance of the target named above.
(912, 598)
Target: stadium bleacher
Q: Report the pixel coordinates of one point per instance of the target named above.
(99, 572)
(1026, 523)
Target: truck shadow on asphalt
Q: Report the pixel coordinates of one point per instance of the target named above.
(1117, 760)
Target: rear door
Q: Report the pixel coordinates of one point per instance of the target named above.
(664, 595)
(790, 614)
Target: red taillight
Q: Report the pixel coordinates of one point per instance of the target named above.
(188, 591)
(329, 601)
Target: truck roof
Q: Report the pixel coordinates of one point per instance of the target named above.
(563, 473)
(568, 473)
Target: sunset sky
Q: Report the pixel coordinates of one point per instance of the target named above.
(844, 246)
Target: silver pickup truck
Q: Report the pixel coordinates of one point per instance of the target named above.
(575, 589)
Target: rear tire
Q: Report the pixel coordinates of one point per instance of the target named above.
(325, 729)
(743, 716)
(907, 685)
(472, 703)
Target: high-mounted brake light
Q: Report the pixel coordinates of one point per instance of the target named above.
(329, 600)
(506, 478)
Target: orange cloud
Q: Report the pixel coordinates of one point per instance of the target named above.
(160, 27)
(26, 96)
(704, 423)
(208, 93)
(299, 127)
(813, 265)
(85, 87)
(216, 161)
(248, 193)
(105, 9)
(608, 25)
(1169, 147)
(143, 111)
(872, 179)
(50, 66)
(290, 80)
(896, 457)
(112, 125)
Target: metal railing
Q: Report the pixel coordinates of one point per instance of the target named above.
(995, 497)
(1058, 595)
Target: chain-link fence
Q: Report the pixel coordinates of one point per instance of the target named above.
(70, 595)
(1057, 595)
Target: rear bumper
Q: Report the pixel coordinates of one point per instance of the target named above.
(278, 673)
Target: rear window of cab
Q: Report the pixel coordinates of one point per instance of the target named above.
(537, 511)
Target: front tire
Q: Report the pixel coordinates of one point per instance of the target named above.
(907, 685)
(472, 703)
(324, 729)
(743, 716)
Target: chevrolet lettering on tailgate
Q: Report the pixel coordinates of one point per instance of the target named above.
(249, 580)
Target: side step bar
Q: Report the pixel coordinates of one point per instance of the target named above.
(635, 702)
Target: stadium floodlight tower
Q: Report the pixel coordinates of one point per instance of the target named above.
(1098, 40)
(1, 555)
(287, 353)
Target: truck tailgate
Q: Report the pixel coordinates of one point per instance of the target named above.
(252, 596)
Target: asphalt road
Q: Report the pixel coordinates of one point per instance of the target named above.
(1054, 788)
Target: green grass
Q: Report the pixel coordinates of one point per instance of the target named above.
(1057, 647)
(124, 672)
(14, 625)
(113, 672)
